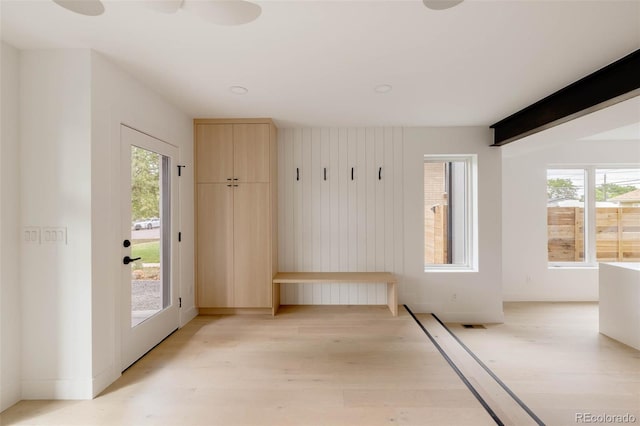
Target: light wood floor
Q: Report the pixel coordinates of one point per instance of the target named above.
(498, 400)
(552, 356)
(327, 365)
(320, 365)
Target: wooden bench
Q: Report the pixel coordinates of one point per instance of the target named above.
(338, 277)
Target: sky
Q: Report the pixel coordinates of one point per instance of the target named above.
(623, 177)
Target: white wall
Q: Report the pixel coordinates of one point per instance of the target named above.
(453, 296)
(339, 224)
(374, 225)
(10, 319)
(71, 105)
(118, 98)
(526, 275)
(55, 189)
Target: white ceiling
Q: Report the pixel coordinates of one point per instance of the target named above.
(316, 63)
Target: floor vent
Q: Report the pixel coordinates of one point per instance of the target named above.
(473, 326)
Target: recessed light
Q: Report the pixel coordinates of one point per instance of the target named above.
(238, 90)
(83, 7)
(441, 4)
(383, 88)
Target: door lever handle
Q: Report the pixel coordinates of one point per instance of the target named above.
(127, 260)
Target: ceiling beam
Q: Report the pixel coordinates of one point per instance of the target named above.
(614, 83)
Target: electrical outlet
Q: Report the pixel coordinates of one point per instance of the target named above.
(31, 234)
(54, 235)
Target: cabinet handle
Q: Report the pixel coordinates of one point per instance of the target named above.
(228, 178)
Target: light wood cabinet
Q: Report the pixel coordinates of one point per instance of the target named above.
(236, 232)
(214, 153)
(251, 231)
(215, 244)
(251, 152)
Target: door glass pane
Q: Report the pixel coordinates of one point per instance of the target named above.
(149, 234)
(617, 195)
(565, 215)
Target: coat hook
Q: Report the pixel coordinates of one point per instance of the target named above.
(297, 173)
(352, 173)
(380, 173)
(325, 173)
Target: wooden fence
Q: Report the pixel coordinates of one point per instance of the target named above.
(617, 234)
(435, 241)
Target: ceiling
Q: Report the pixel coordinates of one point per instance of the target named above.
(316, 63)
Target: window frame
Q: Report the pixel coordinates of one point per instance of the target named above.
(470, 214)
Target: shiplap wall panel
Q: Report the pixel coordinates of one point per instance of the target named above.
(339, 224)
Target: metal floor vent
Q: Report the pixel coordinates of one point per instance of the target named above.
(473, 326)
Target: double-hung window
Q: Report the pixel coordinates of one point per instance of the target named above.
(449, 213)
(593, 215)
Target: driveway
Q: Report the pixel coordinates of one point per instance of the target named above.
(146, 234)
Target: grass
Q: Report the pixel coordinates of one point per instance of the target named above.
(148, 251)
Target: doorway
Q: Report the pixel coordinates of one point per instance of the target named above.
(149, 218)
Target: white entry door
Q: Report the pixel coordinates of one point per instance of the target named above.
(149, 249)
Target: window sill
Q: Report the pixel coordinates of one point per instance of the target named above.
(449, 270)
(566, 267)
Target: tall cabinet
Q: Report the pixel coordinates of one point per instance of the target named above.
(236, 219)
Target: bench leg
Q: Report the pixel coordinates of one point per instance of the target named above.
(392, 298)
(275, 301)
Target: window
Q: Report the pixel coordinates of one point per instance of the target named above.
(593, 215)
(565, 215)
(449, 206)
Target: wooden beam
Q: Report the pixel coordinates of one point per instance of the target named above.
(614, 83)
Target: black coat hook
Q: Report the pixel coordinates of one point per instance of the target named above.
(380, 173)
(325, 173)
(352, 173)
(297, 173)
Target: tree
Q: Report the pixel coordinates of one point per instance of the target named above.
(145, 184)
(559, 188)
(606, 191)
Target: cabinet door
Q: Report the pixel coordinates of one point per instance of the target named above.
(214, 153)
(251, 152)
(215, 246)
(252, 246)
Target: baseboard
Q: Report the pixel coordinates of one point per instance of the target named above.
(104, 379)
(234, 311)
(472, 317)
(188, 315)
(7, 401)
(487, 317)
(57, 389)
(519, 298)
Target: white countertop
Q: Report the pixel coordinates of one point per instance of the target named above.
(628, 265)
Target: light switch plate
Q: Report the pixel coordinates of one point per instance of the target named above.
(31, 234)
(54, 235)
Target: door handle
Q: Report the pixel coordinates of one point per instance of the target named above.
(127, 260)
